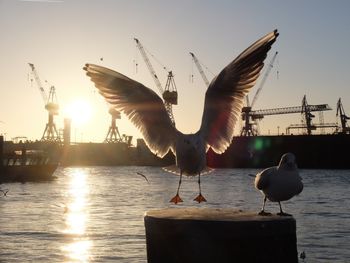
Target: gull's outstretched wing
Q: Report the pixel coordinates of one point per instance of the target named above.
(225, 94)
(140, 104)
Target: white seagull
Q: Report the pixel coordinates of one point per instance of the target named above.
(279, 183)
(223, 103)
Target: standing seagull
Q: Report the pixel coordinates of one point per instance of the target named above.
(223, 104)
(279, 183)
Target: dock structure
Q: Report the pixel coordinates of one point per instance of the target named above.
(219, 235)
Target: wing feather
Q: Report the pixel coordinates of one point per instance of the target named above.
(225, 94)
(141, 105)
(262, 179)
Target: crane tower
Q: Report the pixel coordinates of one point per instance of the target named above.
(113, 134)
(50, 133)
(343, 118)
(169, 94)
(307, 117)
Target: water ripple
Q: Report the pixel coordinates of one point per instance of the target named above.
(95, 214)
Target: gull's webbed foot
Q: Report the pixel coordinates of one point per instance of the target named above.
(176, 199)
(263, 213)
(283, 214)
(200, 198)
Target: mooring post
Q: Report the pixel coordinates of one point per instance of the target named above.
(1, 150)
(219, 235)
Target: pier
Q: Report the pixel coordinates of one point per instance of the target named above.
(219, 235)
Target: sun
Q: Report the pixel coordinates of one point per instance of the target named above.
(79, 111)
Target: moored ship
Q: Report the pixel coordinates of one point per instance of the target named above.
(312, 151)
(25, 165)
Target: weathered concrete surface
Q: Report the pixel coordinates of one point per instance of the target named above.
(219, 235)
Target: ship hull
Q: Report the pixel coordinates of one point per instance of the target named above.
(311, 151)
(27, 173)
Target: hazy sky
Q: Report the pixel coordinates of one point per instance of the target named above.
(59, 37)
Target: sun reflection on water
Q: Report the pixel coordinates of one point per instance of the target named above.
(76, 218)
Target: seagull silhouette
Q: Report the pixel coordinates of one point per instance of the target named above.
(223, 104)
(279, 183)
(4, 191)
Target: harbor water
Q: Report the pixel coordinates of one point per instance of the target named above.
(95, 214)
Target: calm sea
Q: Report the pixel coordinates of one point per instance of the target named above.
(95, 214)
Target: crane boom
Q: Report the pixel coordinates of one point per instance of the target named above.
(264, 79)
(169, 95)
(149, 65)
(38, 82)
(287, 110)
(200, 69)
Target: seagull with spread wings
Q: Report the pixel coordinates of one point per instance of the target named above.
(223, 104)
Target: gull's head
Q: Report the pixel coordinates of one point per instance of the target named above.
(288, 161)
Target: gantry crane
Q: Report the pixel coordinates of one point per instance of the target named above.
(169, 93)
(50, 133)
(305, 109)
(307, 117)
(113, 135)
(343, 118)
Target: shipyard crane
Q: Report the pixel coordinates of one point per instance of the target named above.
(169, 93)
(50, 133)
(200, 69)
(113, 135)
(248, 127)
(305, 109)
(343, 117)
(307, 117)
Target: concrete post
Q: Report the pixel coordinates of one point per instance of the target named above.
(1, 150)
(219, 235)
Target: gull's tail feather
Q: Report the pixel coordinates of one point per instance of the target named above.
(172, 169)
(176, 170)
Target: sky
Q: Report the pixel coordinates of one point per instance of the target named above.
(60, 36)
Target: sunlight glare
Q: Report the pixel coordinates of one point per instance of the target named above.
(79, 111)
(78, 250)
(77, 214)
(77, 217)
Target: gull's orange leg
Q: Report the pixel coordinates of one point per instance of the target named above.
(177, 199)
(200, 198)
